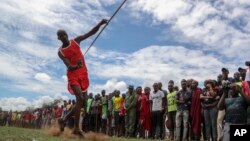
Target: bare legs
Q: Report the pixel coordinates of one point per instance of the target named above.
(76, 110)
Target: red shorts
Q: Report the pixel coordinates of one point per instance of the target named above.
(82, 81)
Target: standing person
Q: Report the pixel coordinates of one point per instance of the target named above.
(109, 114)
(137, 127)
(130, 107)
(219, 118)
(104, 112)
(237, 79)
(164, 118)
(209, 104)
(117, 109)
(64, 112)
(14, 118)
(189, 135)
(145, 119)
(189, 83)
(88, 110)
(71, 55)
(160, 88)
(113, 113)
(236, 108)
(171, 109)
(224, 82)
(195, 111)
(183, 100)
(242, 72)
(58, 111)
(246, 87)
(94, 114)
(157, 100)
(122, 117)
(19, 121)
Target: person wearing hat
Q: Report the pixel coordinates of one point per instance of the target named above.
(130, 108)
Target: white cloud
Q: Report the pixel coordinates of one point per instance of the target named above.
(28, 40)
(42, 100)
(218, 26)
(60, 96)
(40, 88)
(18, 103)
(155, 63)
(64, 77)
(43, 77)
(219, 30)
(13, 68)
(161, 9)
(109, 86)
(21, 103)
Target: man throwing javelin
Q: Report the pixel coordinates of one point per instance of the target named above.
(77, 74)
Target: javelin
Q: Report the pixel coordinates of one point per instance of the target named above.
(105, 26)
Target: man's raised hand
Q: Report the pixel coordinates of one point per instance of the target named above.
(103, 21)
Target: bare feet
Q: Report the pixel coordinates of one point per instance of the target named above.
(61, 124)
(78, 132)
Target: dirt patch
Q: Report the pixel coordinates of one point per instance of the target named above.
(67, 133)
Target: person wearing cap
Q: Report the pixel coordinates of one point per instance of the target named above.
(233, 104)
(130, 108)
(224, 87)
(225, 78)
(242, 72)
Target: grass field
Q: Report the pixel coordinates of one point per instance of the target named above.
(21, 134)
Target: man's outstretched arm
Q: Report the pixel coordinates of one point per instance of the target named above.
(91, 32)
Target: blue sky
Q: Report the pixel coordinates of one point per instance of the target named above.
(147, 41)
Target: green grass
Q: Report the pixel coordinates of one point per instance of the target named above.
(22, 134)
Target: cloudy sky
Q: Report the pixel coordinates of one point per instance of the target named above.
(148, 41)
